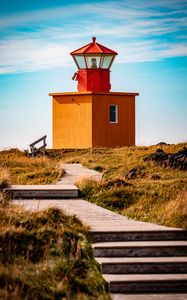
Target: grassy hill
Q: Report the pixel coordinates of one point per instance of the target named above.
(47, 255)
(155, 193)
(44, 255)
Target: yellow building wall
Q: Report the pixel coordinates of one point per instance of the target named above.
(72, 121)
(106, 134)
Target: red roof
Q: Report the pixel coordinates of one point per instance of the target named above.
(93, 48)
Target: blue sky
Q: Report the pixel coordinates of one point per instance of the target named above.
(36, 38)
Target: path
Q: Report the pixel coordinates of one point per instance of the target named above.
(96, 217)
(136, 257)
(73, 172)
(108, 226)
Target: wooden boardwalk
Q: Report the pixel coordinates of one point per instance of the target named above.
(144, 259)
(74, 172)
(97, 218)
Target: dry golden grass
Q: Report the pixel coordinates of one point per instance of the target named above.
(118, 161)
(4, 177)
(46, 255)
(146, 199)
(27, 170)
(176, 209)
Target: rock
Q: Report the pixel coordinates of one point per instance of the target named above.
(132, 174)
(175, 160)
(159, 155)
(136, 172)
(156, 177)
(159, 150)
(162, 144)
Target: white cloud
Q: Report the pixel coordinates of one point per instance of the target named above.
(30, 55)
(174, 50)
(139, 31)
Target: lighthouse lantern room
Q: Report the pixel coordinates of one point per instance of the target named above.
(93, 62)
(93, 116)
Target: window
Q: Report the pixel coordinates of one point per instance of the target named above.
(106, 61)
(93, 62)
(80, 61)
(113, 113)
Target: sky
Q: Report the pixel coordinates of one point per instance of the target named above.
(37, 36)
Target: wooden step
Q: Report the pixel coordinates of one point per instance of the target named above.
(147, 296)
(142, 265)
(146, 283)
(42, 191)
(140, 249)
(139, 235)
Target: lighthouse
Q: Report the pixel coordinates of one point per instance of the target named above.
(93, 62)
(93, 116)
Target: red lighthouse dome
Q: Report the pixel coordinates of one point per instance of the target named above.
(94, 62)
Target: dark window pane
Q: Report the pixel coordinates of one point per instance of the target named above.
(113, 113)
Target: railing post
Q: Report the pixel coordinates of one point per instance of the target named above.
(33, 148)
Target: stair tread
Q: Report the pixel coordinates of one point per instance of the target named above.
(139, 244)
(42, 187)
(143, 277)
(118, 260)
(133, 227)
(149, 296)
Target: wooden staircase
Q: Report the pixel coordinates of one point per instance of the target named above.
(143, 262)
(135, 257)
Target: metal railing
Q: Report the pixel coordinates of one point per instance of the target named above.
(38, 150)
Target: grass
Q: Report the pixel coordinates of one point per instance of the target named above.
(156, 194)
(26, 170)
(163, 203)
(46, 255)
(4, 178)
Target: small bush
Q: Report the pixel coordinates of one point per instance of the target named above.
(4, 200)
(87, 186)
(4, 178)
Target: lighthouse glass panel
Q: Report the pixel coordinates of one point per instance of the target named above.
(93, 62)
(80, 61)
(106, 61)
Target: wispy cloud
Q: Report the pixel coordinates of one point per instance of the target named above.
(31, 55)
(139, 31)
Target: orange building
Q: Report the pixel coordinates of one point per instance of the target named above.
(93, 116)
